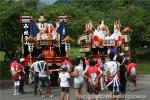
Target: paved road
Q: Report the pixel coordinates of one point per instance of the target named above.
(142, 93)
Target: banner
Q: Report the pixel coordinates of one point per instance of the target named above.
(62, 30)
(25, 20)
(34, 28)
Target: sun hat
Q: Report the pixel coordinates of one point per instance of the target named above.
(122, 54)
(22, 59)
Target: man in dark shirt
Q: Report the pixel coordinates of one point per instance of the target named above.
(123, 80)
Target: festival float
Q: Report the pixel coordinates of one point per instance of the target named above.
(44, 38)
(97, 42)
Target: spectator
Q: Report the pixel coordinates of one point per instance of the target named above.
(93, 75)
(43, 75)
(124, 60)
(35, 70)
(22, 74)
(64, 78)
(16, 70)
(78, 80)
(131, 73)
(99, 64)
(49, 85)
(122, 78)
(67, 63)
(86, 61)
(112, 76)
(103, 65)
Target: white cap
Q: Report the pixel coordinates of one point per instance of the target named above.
(22, 59)
(122, 54)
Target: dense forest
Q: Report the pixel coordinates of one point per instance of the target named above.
(131, 13)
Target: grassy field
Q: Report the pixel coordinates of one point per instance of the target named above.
(143, 63)
(2, 56)
(74, 52)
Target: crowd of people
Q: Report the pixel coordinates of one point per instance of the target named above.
(97, 74)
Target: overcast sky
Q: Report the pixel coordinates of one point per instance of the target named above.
(46, 2)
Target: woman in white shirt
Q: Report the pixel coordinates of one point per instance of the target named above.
(78, 80)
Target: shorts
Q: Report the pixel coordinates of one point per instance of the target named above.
(78, 85)
(123, 87)
(65, 89)
(43, 82)
(110, 88)
(91, 89)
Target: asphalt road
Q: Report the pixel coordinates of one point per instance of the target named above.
(142, 92)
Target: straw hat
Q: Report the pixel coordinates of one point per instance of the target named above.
(122, 54)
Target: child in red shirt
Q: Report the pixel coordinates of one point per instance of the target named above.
(16, 71)
(93, 74)
(131, 72)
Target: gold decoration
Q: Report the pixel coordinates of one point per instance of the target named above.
(31, 39)
(127, 30)
(68, 39)
(88, 27)
(103, 27)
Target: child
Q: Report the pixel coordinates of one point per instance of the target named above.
(16, 70)
(67, 63)
(64, 78)
(131, 72)
(103, 65)
(49, 85)
(94, 73)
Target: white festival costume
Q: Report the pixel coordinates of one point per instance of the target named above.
(113, 70)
